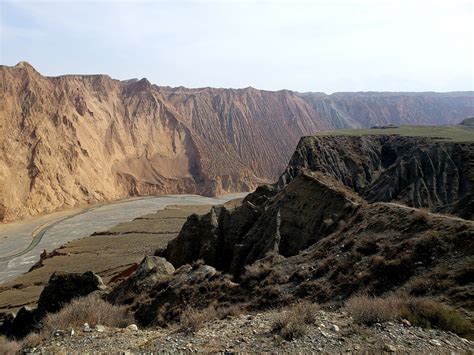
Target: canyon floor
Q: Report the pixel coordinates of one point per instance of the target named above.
(118, 248)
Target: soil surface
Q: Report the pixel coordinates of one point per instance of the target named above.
(250, 333)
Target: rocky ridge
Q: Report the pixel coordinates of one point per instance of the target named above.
(79, 139)
(415, 171)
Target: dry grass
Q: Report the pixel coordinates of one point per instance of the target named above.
(32, 340)
(427, 313)
(419, 311)
(8, 347)
(91, 309)
(369, 310)
(292, 322)
(191, 319)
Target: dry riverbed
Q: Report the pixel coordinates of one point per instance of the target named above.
(107, 253)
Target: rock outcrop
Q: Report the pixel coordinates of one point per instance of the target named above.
(79, 139)
(150, 271)
(317, 239)
(61, 289)
(231, 239)
(415, 171)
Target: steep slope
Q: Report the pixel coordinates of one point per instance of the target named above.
(74, 140)
(80, 139)
(314, 239)
(416, 171)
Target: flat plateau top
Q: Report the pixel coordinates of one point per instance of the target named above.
(458, 133)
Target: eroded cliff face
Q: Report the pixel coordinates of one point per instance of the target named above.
(414, 171)
(79, 139)
(317, 239)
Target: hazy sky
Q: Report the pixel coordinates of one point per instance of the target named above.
(303, 45)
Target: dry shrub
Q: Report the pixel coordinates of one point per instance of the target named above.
(427, 313)
(34, 339)
(191, 319)
(292, 322)
(419, 311)
(228, 311)
(262, 267)
(257, 270)
(369, 310)
(90, 309)
(8, 347)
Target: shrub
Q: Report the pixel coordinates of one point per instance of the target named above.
(8, 347)
(369, 310)
(32, 340)
(90, 309)
(427, 313)
(192, 320)
(292, 322)
(419, 311)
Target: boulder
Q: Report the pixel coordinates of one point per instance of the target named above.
(62, 287)
(194, 286)
(25, 322)
(6, 320)
(151, 270)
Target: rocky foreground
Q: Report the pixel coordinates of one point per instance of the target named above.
(331, 332)
(310, 264)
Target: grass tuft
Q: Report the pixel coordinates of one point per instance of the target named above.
(9, 347)
(90, 309)
(420, 311)
(291, 322)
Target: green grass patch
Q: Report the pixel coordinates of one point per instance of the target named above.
(459, 133)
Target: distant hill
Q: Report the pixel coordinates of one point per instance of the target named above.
(468, 122)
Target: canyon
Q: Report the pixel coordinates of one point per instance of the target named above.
(76, 140)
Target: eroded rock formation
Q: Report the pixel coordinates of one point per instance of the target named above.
(415, 171)
(79, 139)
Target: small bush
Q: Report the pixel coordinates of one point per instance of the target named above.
(32, 340)
(369, 310)
(192, 320)
(90, 309)
(427, 313)
(8, 347)
(292, 322)
(419, 311)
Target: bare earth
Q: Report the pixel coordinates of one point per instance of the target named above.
(252, 333)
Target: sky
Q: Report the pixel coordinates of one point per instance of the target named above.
(302, 45)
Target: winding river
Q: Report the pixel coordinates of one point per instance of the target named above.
(22, 242)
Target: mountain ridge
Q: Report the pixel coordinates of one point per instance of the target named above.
(80, 139)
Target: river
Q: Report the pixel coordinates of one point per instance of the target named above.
(21, 243)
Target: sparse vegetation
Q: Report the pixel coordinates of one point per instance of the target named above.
(8, 347)
(92, 310)
(427, 313)
(419, 311)
(32, 340)
(291, 322)
(369, 310)
(191, 319)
